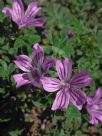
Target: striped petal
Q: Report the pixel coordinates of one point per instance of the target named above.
(61, 100)
(20, 79)
(98, 93)
(64, 69)
(48, 63)
(32, 10)
(77, 98)
(23, 62)
(7, 11)
(50, 84)
(18, 11)
(38, 55)
(80, 80)
(95, 117)
(39, 22)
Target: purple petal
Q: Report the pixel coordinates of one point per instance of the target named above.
(77, 98)
(38, 55)
(35, 81)
(82, 79)
(95, 117)
(90, 100)
(50, 84)
(68, 68)
(96, 100)
(98, 94)
(64, 69)
(18, 11)
(20, 79)
(93, 120)
(94, 107)
(70, 34)
(39, 22)
(7, 11)
(98, 115)
(61, 100)
(32, 10)
(95, 114)
(99, 103)
(23, 62)
(48, 63)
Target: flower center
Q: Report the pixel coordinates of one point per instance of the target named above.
(22, 23)
(66, 85)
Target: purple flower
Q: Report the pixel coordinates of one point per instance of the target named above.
(22, 18)
(70, 34)
(69, 88)
(94, 107)
(33, 68)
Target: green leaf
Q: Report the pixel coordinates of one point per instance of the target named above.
(11, 68)
(16, 132)
(37, 104)
(72, 114)
(19, 44)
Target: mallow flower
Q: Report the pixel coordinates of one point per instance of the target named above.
(69, 89)
(33, 68)
(70, 34)
(94, 107)
(22, 18)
